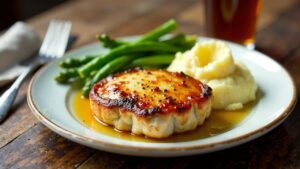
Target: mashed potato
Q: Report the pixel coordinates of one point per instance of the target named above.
(209, 60)
(212, 63)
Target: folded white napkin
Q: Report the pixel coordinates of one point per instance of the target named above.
(19, 42)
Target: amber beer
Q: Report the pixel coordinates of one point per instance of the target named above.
(233, 20)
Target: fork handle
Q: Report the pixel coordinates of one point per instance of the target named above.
(8, 97)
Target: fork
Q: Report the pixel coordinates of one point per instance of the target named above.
(53, 46)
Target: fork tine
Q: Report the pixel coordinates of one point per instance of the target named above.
(62, 44)
(48, 39)
(56, 39)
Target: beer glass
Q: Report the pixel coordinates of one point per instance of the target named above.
(233, 20)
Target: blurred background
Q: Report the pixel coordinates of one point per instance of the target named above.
(14, 10)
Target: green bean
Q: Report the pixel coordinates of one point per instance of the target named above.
(98, 62)
(154, 66)
(150, 36)
(66, 75)
(159, 31)
(109, 68)
(190, 40)
(86, 88)
(182, 39)
(156, 60)
(76, 62)
(108, 42)
(176, 39)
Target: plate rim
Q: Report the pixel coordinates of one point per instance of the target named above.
(228, 142)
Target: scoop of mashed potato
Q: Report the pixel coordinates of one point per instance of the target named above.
(208, 60)
(212, 63)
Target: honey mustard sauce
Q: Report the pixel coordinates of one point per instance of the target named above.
(219, 122)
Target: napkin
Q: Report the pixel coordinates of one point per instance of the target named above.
(19, 42)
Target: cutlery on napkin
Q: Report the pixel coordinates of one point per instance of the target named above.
(18, 43)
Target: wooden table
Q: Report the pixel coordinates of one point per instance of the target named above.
(26, 143)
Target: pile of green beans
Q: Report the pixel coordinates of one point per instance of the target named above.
(151, 50)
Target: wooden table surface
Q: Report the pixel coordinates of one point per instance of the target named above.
(26, 143)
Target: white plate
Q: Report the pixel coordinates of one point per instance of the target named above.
(48, 101)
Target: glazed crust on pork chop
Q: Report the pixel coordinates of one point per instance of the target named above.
(154, 103)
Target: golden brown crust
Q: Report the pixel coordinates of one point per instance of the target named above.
(147, 92)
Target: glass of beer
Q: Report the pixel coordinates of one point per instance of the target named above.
(233, 20)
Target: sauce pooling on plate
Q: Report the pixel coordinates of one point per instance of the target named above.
(219, 122)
